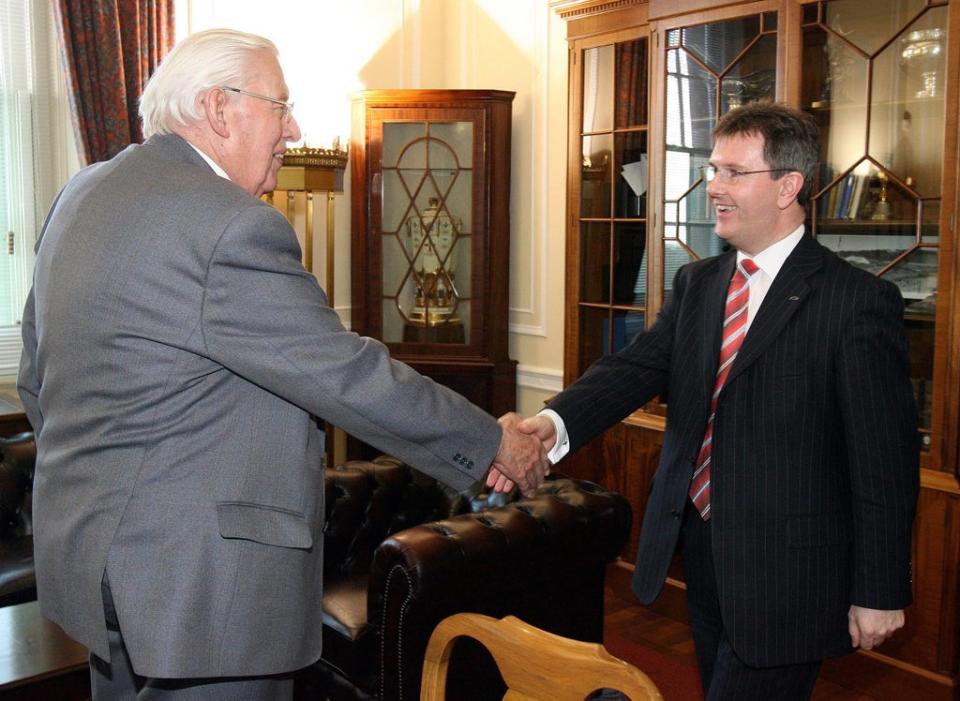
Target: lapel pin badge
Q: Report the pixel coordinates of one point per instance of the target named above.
(793, 298)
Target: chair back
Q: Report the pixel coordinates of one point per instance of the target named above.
(536, 665)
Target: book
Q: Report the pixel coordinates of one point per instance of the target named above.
(844, 204)
(856, 199)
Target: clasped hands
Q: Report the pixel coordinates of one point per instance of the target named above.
(522, 457)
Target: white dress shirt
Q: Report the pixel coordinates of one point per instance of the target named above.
(769, 261)
(213, 164)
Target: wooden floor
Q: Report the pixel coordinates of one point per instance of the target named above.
(672, 639)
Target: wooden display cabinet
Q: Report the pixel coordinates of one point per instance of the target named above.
(881, 78)
(431, 235)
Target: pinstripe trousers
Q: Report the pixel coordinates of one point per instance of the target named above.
(725, 677)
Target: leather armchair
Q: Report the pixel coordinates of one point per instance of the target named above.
(17, 459)
(402, 553)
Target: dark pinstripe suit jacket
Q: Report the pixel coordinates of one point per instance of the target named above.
(815, 454)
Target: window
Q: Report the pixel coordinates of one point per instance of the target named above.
(37, 153)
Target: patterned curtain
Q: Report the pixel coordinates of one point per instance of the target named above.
(631, 83)
(109, 48)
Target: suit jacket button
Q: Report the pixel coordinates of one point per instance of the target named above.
(676, 514)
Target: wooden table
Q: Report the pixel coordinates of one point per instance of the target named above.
(37, 659)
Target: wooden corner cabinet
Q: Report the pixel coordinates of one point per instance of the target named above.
(647, 83)
(431, 234)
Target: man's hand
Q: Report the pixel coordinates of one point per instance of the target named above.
(870, 627)
(542, 428)
(521, 459)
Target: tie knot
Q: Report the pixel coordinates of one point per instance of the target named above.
(747, 267)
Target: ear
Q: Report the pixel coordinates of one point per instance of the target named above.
(214, 103)
(790, 186)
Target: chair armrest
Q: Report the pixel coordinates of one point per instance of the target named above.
(541, 559)
(366, 501)
(18, 455)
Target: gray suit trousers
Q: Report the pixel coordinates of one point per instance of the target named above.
(116, 680)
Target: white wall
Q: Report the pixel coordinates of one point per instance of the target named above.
(331, 48)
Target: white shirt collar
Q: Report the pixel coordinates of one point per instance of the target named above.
(212, 163)
(772, 258)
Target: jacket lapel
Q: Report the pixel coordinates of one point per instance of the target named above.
(785, 296)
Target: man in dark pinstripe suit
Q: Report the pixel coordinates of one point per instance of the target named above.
(805, 553)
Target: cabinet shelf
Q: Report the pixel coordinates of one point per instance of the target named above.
(888, 227)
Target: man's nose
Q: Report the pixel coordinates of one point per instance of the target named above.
(713, 187)
(292, 131)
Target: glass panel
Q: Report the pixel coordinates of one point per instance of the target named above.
(874, 216)
(426, 256)
(629, 270)
(594, 335)
(856, 195)
(594, 262)
(461, 272)
(411, 182)
(395, 266)
(907, 125)
(598, 89)
(815, 87)
(930, 221)
(395, 200)
(440, 154)
(843, 126)
(626, 326)
(393, 319)
(683, 172)
(869, 23)
(631, 193)
(397, 136)
(595, 185)
(457, 138)
(454, 330)
(769, 21)
(691, 103)
(459, 202)
(916, 276)
(920, 338)
(690, 216)
(631, 97)
(751, 78)
(719, 43)
(675, 256)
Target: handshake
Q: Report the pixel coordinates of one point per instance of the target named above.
(522, 457)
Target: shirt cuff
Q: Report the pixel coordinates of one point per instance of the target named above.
(562, 446)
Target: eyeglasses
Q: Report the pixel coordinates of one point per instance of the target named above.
(729, 175)
(287, 107)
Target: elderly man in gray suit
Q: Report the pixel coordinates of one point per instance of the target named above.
(175, 353)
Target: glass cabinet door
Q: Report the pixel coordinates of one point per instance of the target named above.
(613, 198)
(426, 231)
(710, 69)
(876, 87)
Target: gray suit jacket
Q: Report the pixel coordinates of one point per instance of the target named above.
(174, 352)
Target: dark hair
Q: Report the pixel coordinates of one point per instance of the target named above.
(791, 138)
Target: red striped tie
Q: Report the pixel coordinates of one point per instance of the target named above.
(734, 329)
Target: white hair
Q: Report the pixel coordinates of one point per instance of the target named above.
(205, 60)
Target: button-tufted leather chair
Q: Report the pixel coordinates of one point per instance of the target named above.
(402, 553)
(17, 459)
